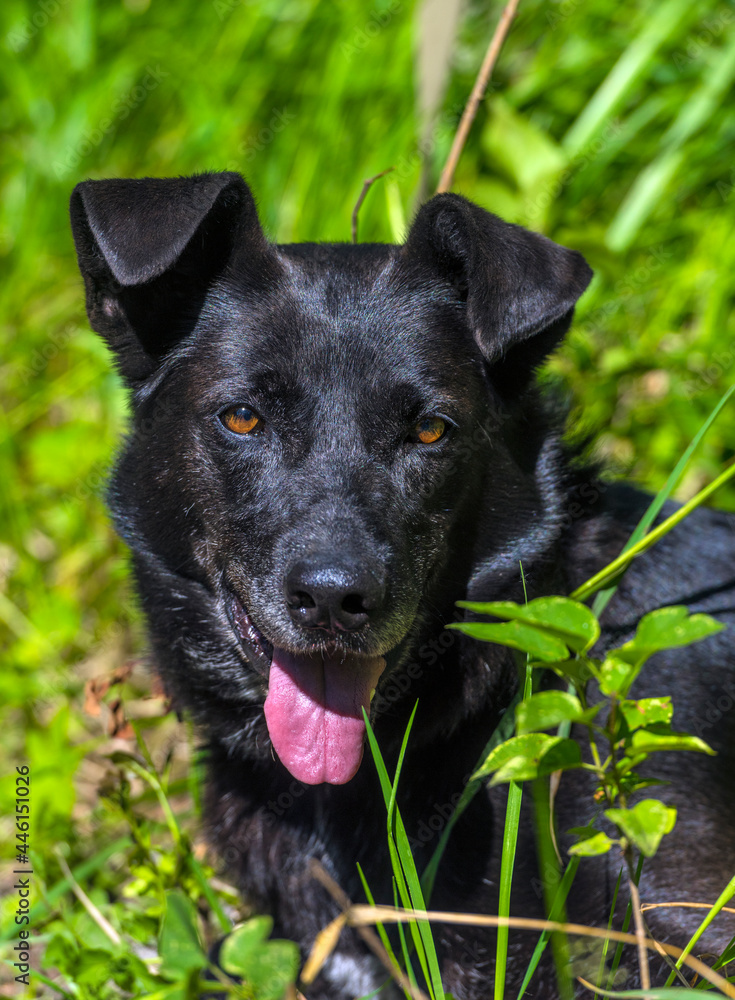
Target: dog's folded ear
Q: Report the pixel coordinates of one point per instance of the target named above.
(520, 288)
(149, 250)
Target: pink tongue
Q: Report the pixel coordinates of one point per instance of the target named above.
(314, 713)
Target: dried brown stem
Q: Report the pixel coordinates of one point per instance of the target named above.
(102, 922)
(694, 906)
(478, 92)
(640, 933)
(358, 205)
(640, 930)
(369, 936)
(361, 915)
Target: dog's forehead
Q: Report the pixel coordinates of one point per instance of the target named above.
(344, 311)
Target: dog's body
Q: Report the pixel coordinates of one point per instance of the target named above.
(331, 445)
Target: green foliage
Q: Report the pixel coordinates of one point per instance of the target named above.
(633, 730)
(146, 930)
(405, 875)
(644, 824)
(532, 756)
(179, 942)
(268, 967)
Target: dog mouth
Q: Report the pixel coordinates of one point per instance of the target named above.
(314, 705)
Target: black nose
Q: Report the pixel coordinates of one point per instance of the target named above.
(322, 592)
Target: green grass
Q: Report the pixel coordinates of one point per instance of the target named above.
(608, 126)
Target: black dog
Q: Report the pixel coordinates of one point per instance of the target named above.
(331, 445)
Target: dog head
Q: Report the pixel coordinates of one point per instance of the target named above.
(317, 438)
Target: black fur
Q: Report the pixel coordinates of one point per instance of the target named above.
(341, 350)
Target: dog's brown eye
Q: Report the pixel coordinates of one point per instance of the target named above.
(430, 430)
(241, 420)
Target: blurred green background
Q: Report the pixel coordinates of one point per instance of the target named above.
(609, 126)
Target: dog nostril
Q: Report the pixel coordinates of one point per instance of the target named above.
(354, 604)
(301, 600)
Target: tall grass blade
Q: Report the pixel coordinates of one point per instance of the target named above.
(604, 596)
(404, 944)
(507, 863)
(653, 180)
(556, 912)
(662, 23)
(606, 942)
(406, 875)
(400, 880)
(725, 896)
(380, 928)
(613, 570)
(551, 884)
(626, 924)
(510, 839)
(727, 956)
(399, 765)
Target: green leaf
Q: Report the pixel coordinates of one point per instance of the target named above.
(616, 675)
(645, 824)
(549, 708)
(564, 618)
(524, 152)
(93, 968)
(180, 947)
(267, 967)
(517, 635)
(239, 945)
(649, 740)
(562, 756)
(592, 843)
(578, 670)
(666, 628)
(531, 756)
(646, 712)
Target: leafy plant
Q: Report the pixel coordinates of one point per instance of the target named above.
(558, 634)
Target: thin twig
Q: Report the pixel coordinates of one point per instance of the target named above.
(640, 932)
(693, 906)
(369, 936)
(104, 925)
(365, 188)
(478, 92)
